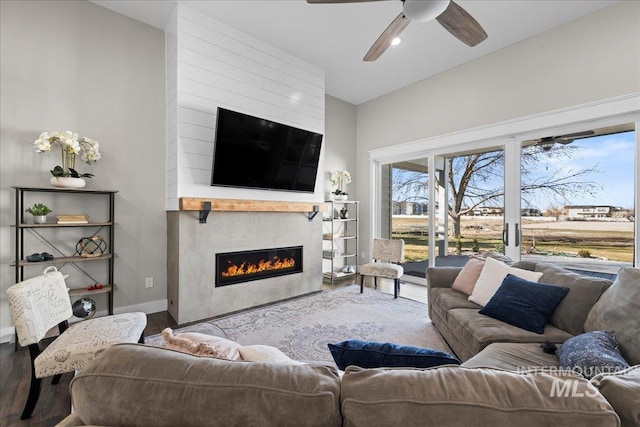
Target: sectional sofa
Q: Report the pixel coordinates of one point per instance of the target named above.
(502, 381)
(591, 304)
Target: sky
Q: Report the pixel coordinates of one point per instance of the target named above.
(612, 158)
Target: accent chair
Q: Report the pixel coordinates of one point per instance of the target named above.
(41, 303)
(387, 254)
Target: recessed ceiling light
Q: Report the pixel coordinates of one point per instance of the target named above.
(396, 41)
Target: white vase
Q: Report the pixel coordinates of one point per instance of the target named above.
(67, 182)
(340, 197)
(39, 219)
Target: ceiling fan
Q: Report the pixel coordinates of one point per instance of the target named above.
(448, 13)
(547, 142)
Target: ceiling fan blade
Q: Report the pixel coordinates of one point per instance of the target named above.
(339, 1)
(463, 26)
(577, 134)
(384, 41)
(568, 138)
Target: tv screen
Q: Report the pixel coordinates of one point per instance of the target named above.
(251, 152)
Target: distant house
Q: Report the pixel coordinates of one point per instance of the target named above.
(410, 208)
(497, 211)
(486, 211)
(578, 212)
(530, 212)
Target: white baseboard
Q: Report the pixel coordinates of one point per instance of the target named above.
(8, 334)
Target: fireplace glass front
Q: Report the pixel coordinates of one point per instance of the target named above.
(245, 266)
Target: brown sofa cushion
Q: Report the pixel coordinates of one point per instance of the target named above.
(445, 299)
(457, 396)
(622, 390)
(513, 356)
(179, 389)
(573, 310)
(617, 310)
(479, 330)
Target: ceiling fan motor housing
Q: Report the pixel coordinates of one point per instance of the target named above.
(424, 10)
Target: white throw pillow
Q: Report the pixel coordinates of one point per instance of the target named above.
(265, 353)
(491, 277)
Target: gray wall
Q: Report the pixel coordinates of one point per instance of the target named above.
(340, 142)
(72, 65)
(593, 58)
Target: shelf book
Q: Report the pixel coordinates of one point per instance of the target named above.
(72, 219)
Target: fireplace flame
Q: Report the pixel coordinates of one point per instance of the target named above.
(263, 265)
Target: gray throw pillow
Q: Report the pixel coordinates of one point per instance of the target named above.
(592, 353)
(584, 292)
(618, 310)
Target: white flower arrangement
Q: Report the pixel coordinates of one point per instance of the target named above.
(340, 179)
(70, 145)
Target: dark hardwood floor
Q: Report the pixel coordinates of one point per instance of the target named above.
(55, 402)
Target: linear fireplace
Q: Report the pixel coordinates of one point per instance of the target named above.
(244, 266)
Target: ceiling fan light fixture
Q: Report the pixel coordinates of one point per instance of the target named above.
(424, 10)
(396, 41)
(546, 146)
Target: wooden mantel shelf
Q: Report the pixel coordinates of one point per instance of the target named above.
(236, 205)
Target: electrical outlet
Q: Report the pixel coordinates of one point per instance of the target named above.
(148, 282)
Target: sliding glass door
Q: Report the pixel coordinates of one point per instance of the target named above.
(462, 192)
(578, 199)
(476, 201)
(407, 198)
(548, 188)
(405, 211)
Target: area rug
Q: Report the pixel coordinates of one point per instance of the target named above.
(303, 327)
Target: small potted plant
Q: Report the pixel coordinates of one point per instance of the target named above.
(39, 212)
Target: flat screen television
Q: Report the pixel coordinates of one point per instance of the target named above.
(250, 152)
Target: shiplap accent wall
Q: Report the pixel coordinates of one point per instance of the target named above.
(171, 58)
(218, 66)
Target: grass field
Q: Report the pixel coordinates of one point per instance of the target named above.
(606, 240)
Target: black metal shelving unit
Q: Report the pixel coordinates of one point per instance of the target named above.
(39, 230)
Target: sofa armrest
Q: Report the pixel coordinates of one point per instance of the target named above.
(442, 277)
(439, 277)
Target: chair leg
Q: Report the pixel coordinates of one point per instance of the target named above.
(396, 288)
(375, 281)
(34, 390)
(361, 283)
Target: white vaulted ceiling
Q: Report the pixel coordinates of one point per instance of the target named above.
(336, 36)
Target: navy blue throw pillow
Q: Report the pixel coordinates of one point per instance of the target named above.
(592, 353)
(527, 305)
(367, 354)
